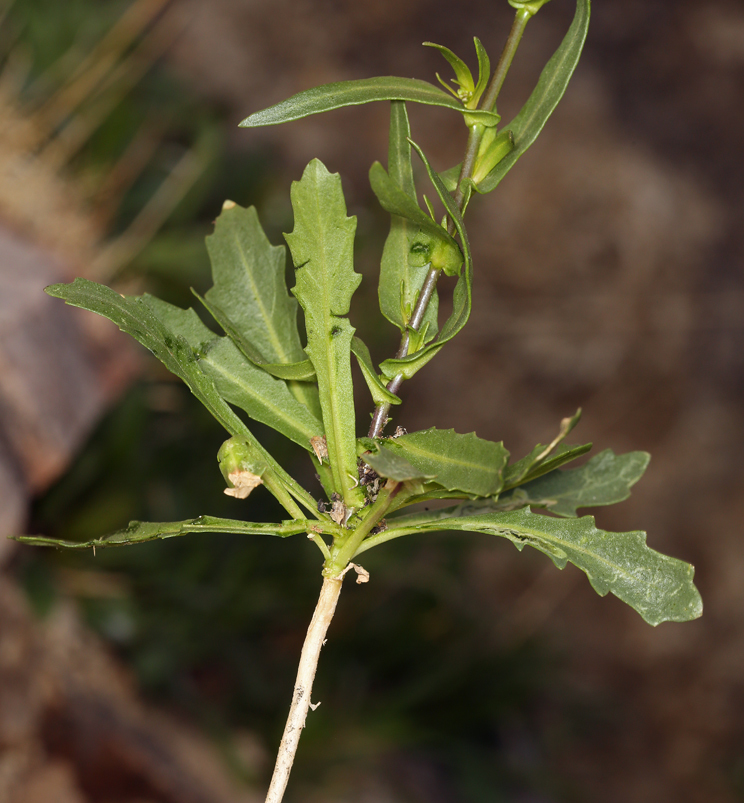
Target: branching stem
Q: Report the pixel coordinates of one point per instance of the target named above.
(490, 96)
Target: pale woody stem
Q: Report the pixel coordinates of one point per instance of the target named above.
(303, 687)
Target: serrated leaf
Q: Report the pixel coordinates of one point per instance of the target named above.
(400, 279)
(250, 301)
(322, 246)
(239, 381)
(464, 463)
(250, 287)
(380, 394)
(604, 480)
(133, 316)
(139, 532)
(353, 93)
(660, 588)
(462, 295)
(551, 86)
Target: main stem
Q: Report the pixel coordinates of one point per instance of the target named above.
(303, 687)
(490, 96)
(331, 589)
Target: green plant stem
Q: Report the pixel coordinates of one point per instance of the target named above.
(341, 555)
(303, 687)
(488, 103)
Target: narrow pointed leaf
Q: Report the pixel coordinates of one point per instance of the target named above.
(484, 69)
(463, 76)
(139, 532)
(322, 246)
(604, 480)
(400, 277)
(543, 459)
(239, 381)
(353, 93)
(380, 394)
(395, 200)
(133, 316)
(464, 463)
(551, 86)
(660, 588)
(462, 296)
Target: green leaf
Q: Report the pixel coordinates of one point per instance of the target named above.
(551, 86)
(464, 463)
(484, 70)
(462, 296)
(138, 532)
(353, 93)
(604, 480)
(380, 394)
(495, 148)
(250, 301)
(135, 317)
(322, 246)
(250, 287)
(463, 76)
(397, 202)
(296, 371)
(401, 279)
(539, 460)
(660, 588)
(388, 463)
(238, 380)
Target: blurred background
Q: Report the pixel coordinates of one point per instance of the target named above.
(608, 276)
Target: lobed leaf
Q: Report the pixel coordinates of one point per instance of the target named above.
(250, 301)
(139, 532)
(660, 588)
(353, 93)
(322, 246)
(604, 480)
